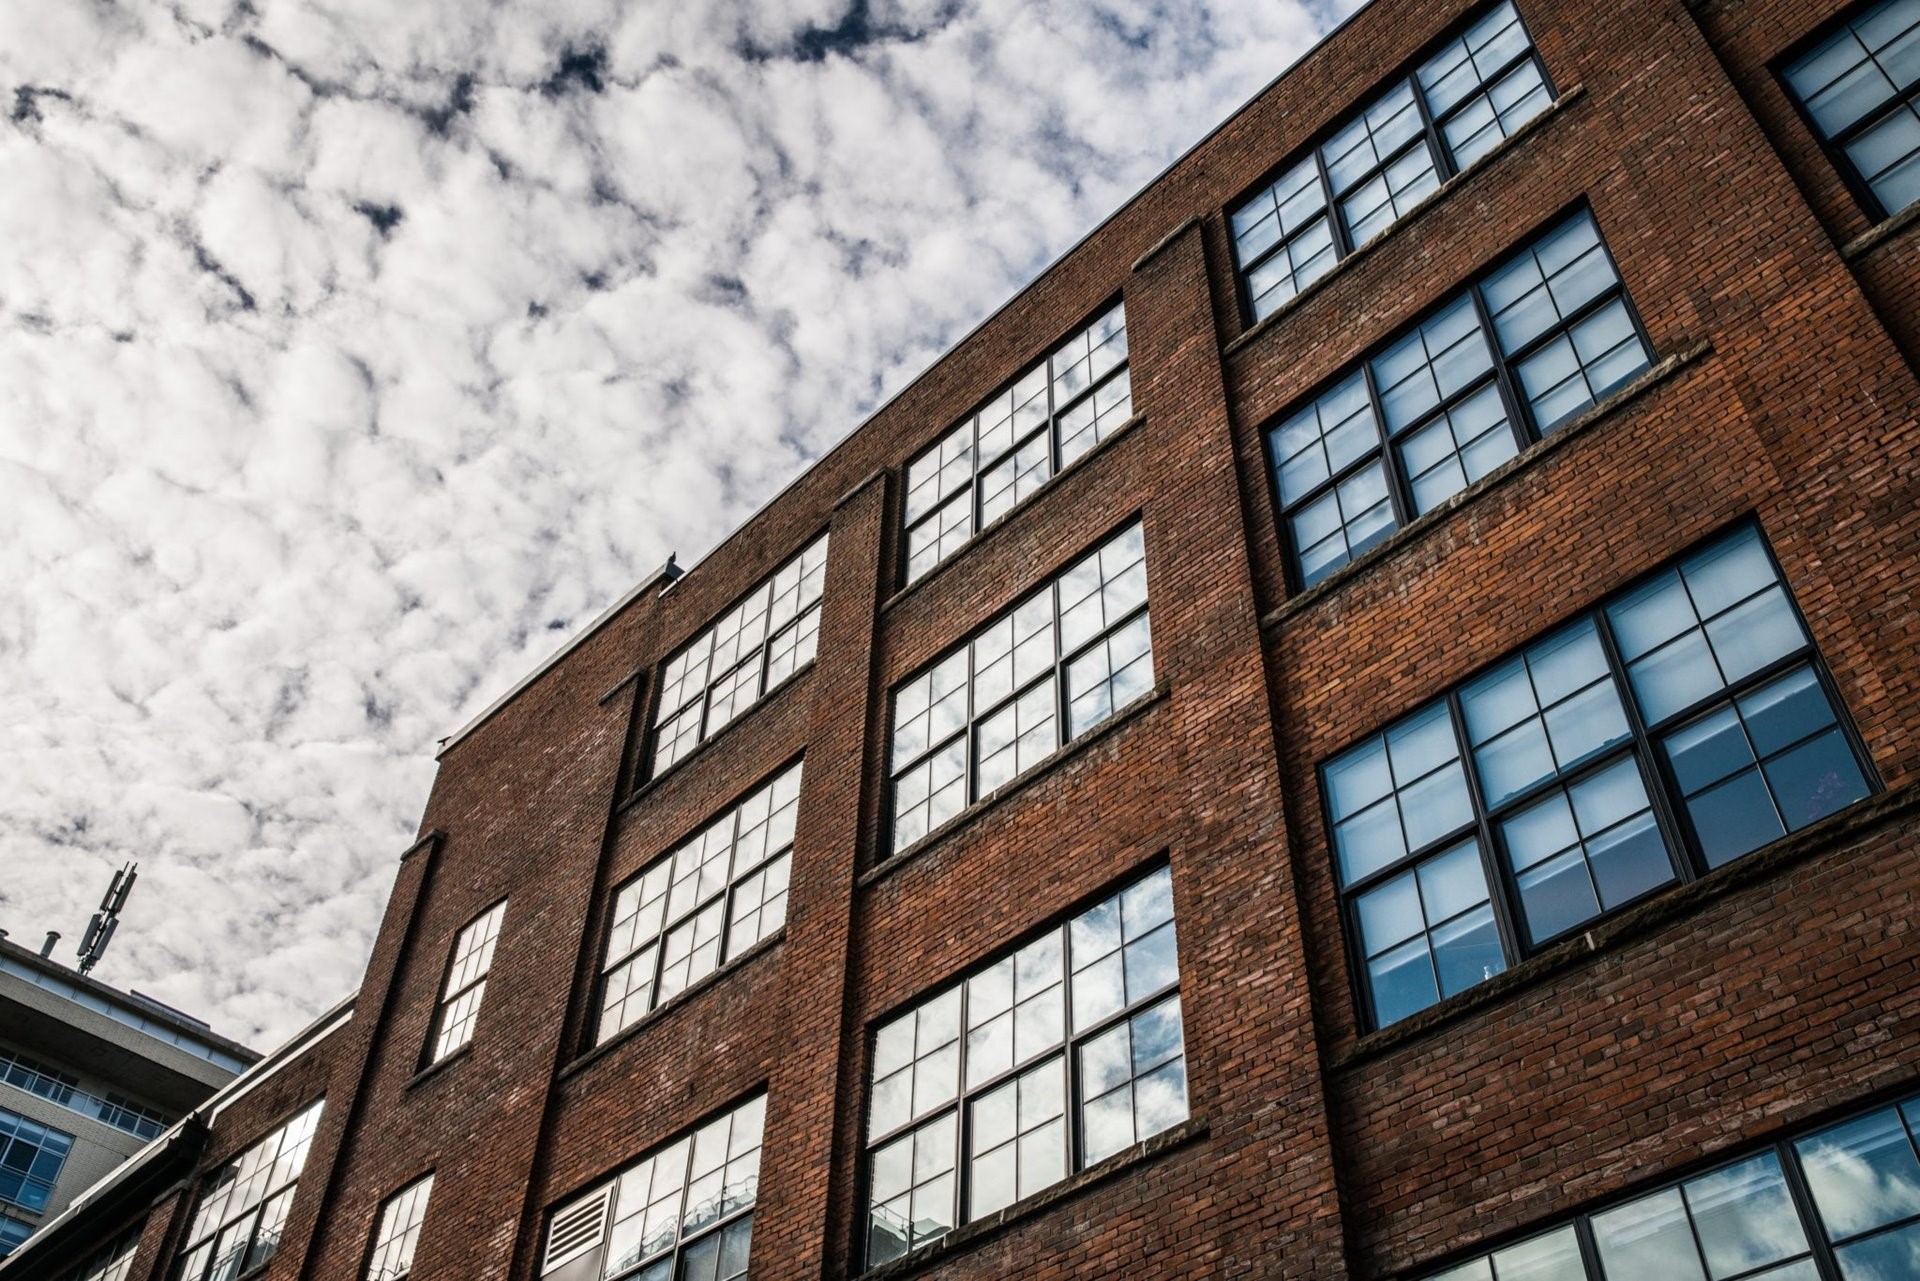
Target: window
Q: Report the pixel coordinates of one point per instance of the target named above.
(59, 1087)
(31, 1155)
(1394, 153)
(466, 982)
(1045, 1062)
(37, 1078)
(123, 1113)
(1535, 341)
(683, 1212)
(1009, 447)
(700, 906)
(243, 1209)
(1858, 1218)
(111, 1263)
(1043, 673)
(13, 1233)
(1860, 89)
(755, 646)
(399, 1232)
(1684, 723)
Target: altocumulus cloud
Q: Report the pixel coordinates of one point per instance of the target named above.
(353, 353)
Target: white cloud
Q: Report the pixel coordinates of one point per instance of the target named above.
(353, 354)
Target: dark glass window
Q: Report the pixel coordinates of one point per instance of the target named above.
(1684, 723)
(1391, 155)
(1534, 342)
(13, 1233)
(1860, 88)
(1858, 1220)
(1004, 451)
(1043, 673)
(701, 905)
(1042, 1063)
(31, 1156)
(756, 645)
(243, 1209)
(683, 1212)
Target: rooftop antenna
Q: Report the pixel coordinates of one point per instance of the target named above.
(100, 929)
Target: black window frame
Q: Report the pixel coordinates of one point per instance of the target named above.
(376, 1240)
(1067, 1050)
(1048, 427)
(646, 766)
(1783, 1147)
(1431, 134)
(1834, 147)
(606, 967)
(1642, 746)
(976, 715)
(255, 1210)
(1503, 375)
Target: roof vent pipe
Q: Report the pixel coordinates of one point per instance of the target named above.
(46, 948)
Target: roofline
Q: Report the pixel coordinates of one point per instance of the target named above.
(133, 1002)
(447, 744)
(200, 1118)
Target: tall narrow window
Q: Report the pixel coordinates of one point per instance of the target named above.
(683, 1212)
(398, 1232)
(1048, 670)
(1858, 1218)
(466, 982)
(244, 1207)
(1544, 793)
(1860, 89)
(1392, 154)
(756, 645)
(1043, 1063)
(1537, 340)
(1004, 451)
(700, 906)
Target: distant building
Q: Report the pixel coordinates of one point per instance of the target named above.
(89, 1075)
(1494, 859)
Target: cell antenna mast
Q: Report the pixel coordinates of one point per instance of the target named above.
(100, 929)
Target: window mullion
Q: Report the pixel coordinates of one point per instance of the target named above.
(1500, 895)
(1399, 491)
(1589, 1248)
(1663, 789)
(1519, 414)
(1802, 1197)
(1443, 166)
(1342, 242)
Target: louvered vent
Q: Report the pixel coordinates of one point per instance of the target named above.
(577, 1229)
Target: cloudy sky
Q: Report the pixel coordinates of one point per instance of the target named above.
(353, 354)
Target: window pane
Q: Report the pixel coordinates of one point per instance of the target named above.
(1863, 1174)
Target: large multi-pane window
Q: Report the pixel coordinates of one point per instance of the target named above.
(1841, 1202)
(1683, 724)
(466, 982)
(1005, 450)
(701, 905)
(762, 640)
(397, 1235)
(244, 1208)
(1535, 341)
(1043, 673)
(1391, 155)
(1043, 1063)
(684, 1212)
(31, 1155)
(111, 1262)
(1860, 87)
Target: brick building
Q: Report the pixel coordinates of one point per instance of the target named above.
(1428, 788)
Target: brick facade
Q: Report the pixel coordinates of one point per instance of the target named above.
(1769, 995)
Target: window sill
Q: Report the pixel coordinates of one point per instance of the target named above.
(969, 1236)
(1880, 233)
(705, 745)
(438, 1066)
(1439, 195)
(1005, 518)
(686, 996)
(1639, 922)
(1019, 783)
(1526, 459)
